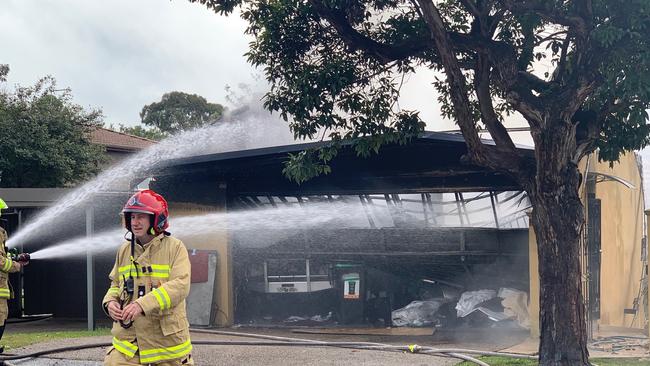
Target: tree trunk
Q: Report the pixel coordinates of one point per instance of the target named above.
(558, 219)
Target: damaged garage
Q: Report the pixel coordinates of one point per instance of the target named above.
(433, 242)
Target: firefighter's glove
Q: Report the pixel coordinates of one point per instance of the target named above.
(23, 259)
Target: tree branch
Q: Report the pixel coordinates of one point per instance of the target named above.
(470, 6)
(416, 7)
(551, 37)
(503, 57)
(586, 10)
(355, 40)
(524, 102)
(561, 66)
(580, 78)
(588, 130)
(455, 77)
(488, 115)
(533, 81)
(495, 20)
(544, 11)
(487, 156)
(390, 52)
(516, 84)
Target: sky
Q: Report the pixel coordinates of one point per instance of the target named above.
(122, 56)
(126, 55)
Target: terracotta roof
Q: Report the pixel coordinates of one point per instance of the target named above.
(119, 140)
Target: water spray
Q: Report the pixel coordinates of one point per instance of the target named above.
(251, 130)
(277, 219)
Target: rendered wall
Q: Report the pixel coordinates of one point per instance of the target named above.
(223, 309)
(622, 214)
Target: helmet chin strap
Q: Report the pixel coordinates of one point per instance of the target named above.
(129, 285)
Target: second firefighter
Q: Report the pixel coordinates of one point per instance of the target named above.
(149, 283)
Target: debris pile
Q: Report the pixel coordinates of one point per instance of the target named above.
(506, 306)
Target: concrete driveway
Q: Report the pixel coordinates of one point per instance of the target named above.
(486, 339)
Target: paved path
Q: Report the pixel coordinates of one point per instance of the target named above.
(240, 355)
(487, 339)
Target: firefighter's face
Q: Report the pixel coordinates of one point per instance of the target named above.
(140, 223)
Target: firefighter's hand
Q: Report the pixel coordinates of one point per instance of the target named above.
(23, 259)
(132, 311)
(114, 310)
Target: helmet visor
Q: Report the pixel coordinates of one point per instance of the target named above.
(135, 210)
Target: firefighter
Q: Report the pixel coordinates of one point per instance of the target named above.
(149, 283)
(7, 265)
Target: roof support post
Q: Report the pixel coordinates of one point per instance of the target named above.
(494, 209)
(90, 270)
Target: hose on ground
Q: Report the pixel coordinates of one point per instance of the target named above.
(424, 349)
(54, 350)
(275, 341)
(29, 318)
(357, 345)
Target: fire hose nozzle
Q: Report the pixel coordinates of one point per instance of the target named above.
(23, 257)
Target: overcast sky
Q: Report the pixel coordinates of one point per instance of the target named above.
(123, 54)
(119, 55)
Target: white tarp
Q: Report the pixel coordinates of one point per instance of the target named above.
(417, 314)
(471, 299)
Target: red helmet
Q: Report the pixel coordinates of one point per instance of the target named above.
(151, 203)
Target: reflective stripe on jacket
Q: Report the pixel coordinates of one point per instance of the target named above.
(6, 266)
(161, 276)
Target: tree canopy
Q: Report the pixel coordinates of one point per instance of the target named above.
(178, 111)
(45, 137)
(152, 133)
(337, 66)
(577, 71)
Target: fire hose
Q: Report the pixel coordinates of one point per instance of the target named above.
(411, 348)
(18, 257)
(28, 318)
(276, 341)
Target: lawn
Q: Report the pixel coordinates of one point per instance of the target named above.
(15, 340)
(499, 361)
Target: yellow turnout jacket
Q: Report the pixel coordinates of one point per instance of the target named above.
(161, 273)
(6, 266)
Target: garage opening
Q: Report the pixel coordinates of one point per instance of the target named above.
(431, 259)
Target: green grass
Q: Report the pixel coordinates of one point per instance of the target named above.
(15, 340)
(501, 361)
(505, 361)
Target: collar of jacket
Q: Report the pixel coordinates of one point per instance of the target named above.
(155, 241)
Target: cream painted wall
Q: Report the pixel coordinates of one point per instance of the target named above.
(224, 306)
(622, 214)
